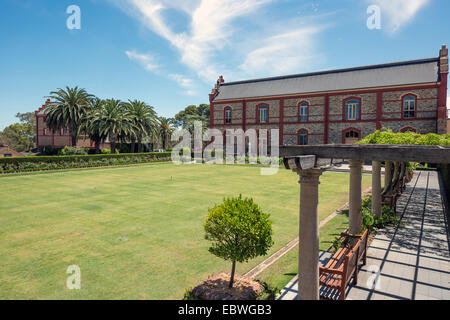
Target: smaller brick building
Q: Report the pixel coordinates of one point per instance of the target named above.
(338, 106)
(59, 138)
(6, 151)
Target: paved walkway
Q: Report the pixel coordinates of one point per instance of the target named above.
(411, 261)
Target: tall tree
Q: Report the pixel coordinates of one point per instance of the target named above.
(68, 109)
(185, 117)
(165, 130)
(20, 136)
(144, 119)
(114, 121)
(91, 127)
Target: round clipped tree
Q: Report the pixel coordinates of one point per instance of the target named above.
(239, 231)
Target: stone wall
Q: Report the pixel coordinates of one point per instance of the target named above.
(391, 114)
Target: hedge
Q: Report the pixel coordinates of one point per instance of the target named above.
(27, 164)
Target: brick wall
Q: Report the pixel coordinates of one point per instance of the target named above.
(390, 115)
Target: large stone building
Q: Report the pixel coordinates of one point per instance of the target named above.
(338, 106)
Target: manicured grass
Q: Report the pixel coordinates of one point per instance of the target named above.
(135, 232)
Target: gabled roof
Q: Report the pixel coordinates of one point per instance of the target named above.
(381, 75)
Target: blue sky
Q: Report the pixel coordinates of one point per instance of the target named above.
(169, 53)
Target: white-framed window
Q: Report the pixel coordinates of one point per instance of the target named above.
(409, 107)
(352, 110)
(228, 115)
(262, 114)
(304, 111)
(45, 132)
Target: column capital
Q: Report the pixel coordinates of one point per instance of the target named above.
(356, 163)
(309, 176)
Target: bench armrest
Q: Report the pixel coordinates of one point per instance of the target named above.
(330, 270)
(344, 234)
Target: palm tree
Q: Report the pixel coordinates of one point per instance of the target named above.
(92, 127)
(68, 109)
(144, 120)
(165, 129)
(114, 121)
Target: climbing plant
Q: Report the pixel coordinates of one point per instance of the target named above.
(389, 137)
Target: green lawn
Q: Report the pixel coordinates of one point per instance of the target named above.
(136, 232)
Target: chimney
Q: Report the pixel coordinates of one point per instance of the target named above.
(221, 80)
(443, 57)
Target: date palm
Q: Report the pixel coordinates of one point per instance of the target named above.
(92, 127)
(114, 121)
(143, 117)
(68, 109)
(165, 129)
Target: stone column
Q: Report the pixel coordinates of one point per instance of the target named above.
(355, 216)
(387, 174)
(376, 188)
(308, 263)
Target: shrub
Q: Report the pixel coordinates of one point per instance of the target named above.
(70, 151)
(238, 230)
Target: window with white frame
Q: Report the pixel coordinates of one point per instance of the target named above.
(227, 115)
(352, 110)
(409, 107)
(304, 112)
(262, 114)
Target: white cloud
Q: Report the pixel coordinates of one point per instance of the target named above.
(283, 53)
(398, 13)
(184, 82)
(147, 60)
(214, 28)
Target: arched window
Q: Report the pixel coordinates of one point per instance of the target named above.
(303, 112)
(262, 113)
(352, 109)
(408, 129)
(45, 133)
(352, 134)
(228, 115)
(303, 137)
(409, 106)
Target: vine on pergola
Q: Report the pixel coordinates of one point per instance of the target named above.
(396, 171)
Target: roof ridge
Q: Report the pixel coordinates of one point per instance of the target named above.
(317, 73)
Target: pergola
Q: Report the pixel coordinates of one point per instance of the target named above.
(310, 161)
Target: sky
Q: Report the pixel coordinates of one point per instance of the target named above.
(169, 53)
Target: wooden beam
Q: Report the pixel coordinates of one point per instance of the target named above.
(369, 152)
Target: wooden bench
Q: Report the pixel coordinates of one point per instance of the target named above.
(343, 266)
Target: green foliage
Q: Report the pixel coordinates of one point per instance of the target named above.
(238, 229)
(388, 216)
(28, 164)
(389, 137)
(20, 136)
(186, 117)
(106, 151)
(68, 110)
(70, 151)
